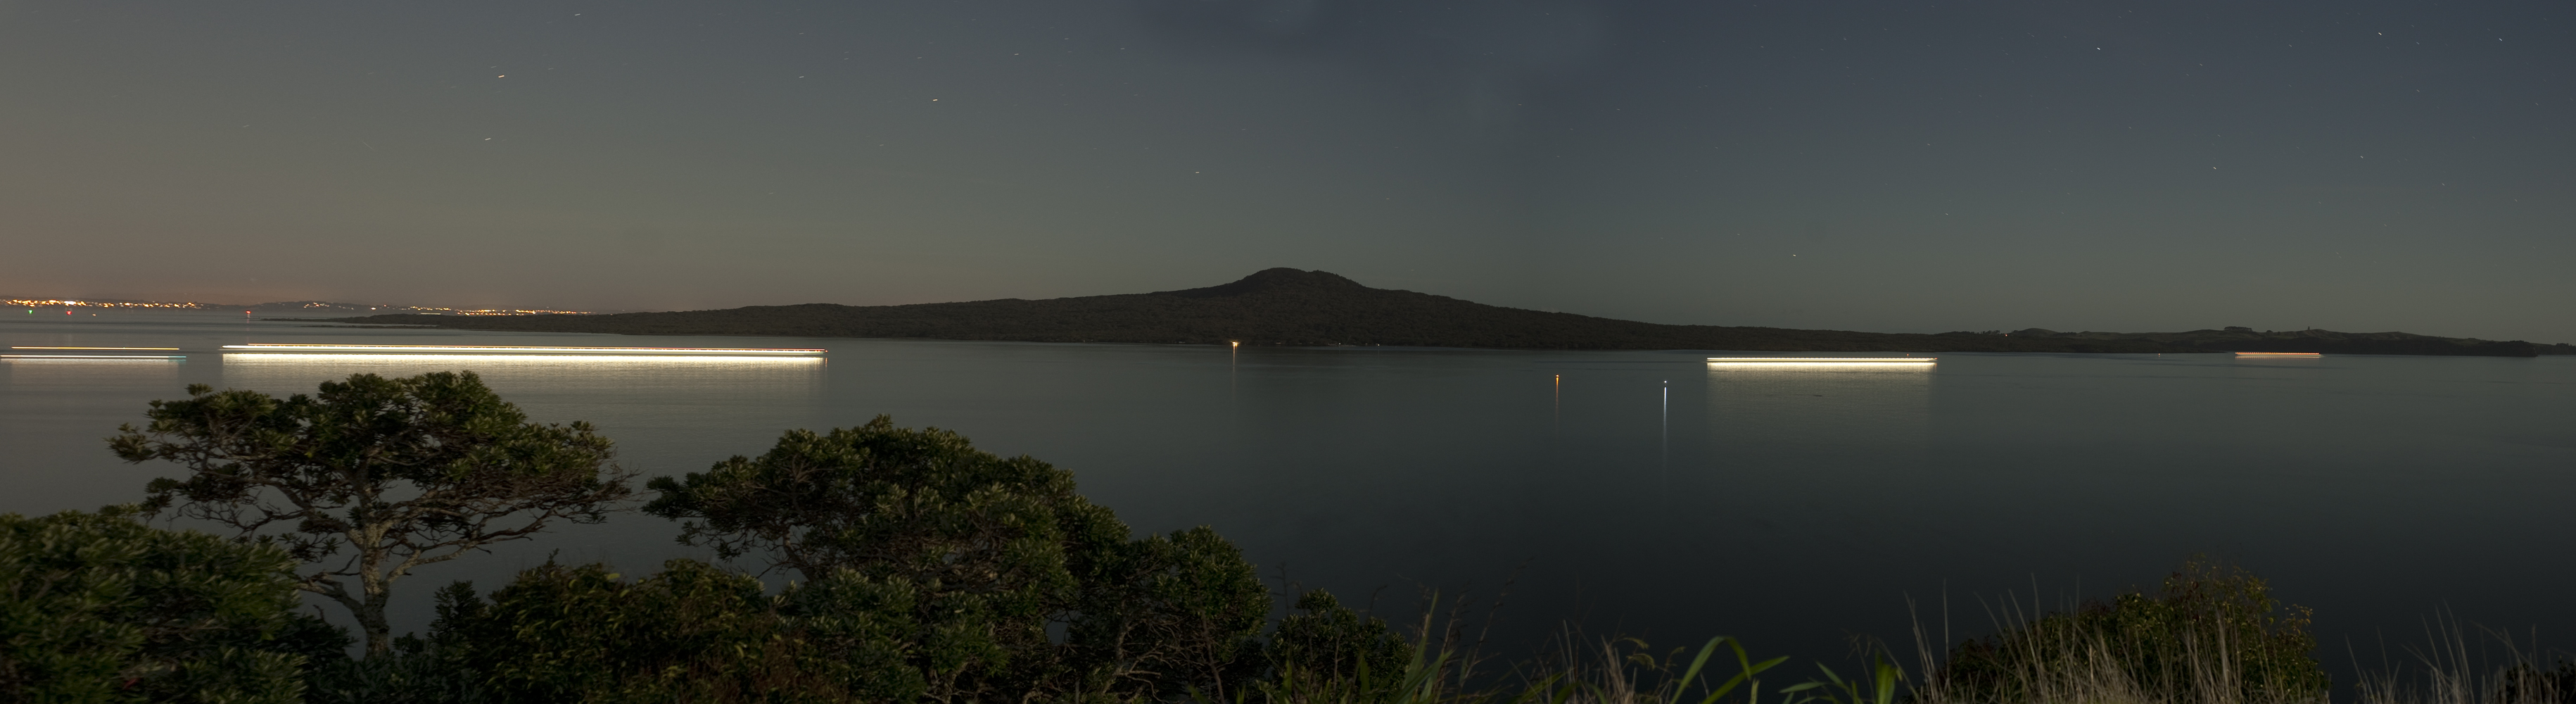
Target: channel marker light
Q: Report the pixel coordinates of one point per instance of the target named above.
(1823, 360)
(504, 349)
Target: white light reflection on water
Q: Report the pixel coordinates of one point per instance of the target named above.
(659, 379)
(542, 359)
(43, 358)
(513, 349)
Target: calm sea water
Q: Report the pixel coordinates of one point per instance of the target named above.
(1639, 493)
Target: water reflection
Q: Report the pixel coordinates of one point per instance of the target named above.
(54, 417)
(1818, 404)
(34, 375)
(772, 378)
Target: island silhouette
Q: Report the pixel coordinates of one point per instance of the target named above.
(1290, 307)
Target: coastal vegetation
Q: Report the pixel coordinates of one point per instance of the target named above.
(920, 569)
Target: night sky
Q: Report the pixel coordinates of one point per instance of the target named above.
(1889, 166)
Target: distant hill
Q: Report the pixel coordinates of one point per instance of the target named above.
(1271, 307)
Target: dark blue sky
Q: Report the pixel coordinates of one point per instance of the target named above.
(1883, 166)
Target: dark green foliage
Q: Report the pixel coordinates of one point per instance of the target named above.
(696, 633)
(960, 561)
(98, 607)
(867, 630)
(401, 472)
(1271, 307)
(690, 633)
(1329, 647)
(413, 672)
(1166, 615)
(2209, 623)
(988, 547)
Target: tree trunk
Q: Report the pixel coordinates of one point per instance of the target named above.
(371, 618)
(378, 589)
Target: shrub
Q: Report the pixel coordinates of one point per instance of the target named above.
(2212, 634)
(98, 607)
(1331, 648)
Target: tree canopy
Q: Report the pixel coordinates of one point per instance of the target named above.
(98, 607)
(982, 553)
(373, 477)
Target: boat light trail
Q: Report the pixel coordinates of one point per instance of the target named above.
(526, 350)
(1827, 360)
(319, 357)
(2280, 354)
(172, 349)
(92, 356)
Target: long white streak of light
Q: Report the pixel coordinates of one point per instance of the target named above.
(93, 356)
(498, 348)
(172, 349)
(519, 358)
(1826, 360)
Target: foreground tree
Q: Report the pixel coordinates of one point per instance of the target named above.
(972, 557)
(98, 607)
(386, 475)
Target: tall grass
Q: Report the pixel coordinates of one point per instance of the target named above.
(2466, 665)
(1442, 667)
(2211, 634)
